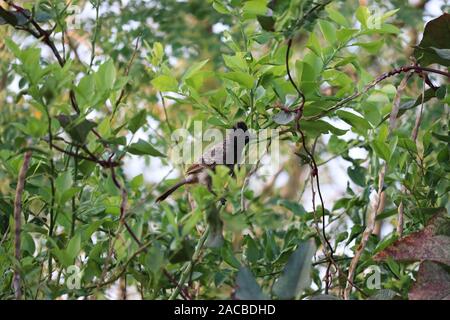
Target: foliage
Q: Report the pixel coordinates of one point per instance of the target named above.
(89, 100)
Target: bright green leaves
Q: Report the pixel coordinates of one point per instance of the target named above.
(30, 61)
(337, 17)
(254, 8)
(157, 54)
(362, 15)
(435, 44)
(105, 76)
(376, 21)
(165, 83)
(236, 62)
(328, 30)
(241, 78)
(142, 147)
(94, 89)
(194, 69)
(85, 91)
(162, 80)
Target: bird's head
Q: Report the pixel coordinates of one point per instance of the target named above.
(242, 126)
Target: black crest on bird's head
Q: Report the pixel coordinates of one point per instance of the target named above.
(240, 125)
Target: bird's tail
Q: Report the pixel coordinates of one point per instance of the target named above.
(172, 189)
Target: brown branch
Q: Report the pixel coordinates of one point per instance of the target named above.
(414, 133)
(18, 223)
(416, 69)
(377, 207)
(127, 71)
(314, 172)
(103, 163)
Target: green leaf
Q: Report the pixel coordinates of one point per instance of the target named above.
(228, 256)
(357, 122)
(63, 182)
(154, 259)
(137, 121)
(165, 83)
(246, 286)
(266, 22)
(77, 128)
(157, 53)
(358, 175)
(191, 222)
(192, 70)
(318, 127)
(85, 91)
(254, 7)
(381, 149)
(372, 47)
(336, 16)
(236, 62)
(240, 77)
(443, 53)
(28, 244)
(137, 182)
(74, 246)
(328, 31)
(435, 44)
(296, 274)
(294, 207)
(220, 7)
(362, 14)
(144, 148)
(105, 76)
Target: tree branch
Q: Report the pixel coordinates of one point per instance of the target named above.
(18, 222)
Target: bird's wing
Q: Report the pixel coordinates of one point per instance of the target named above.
(210, 158)
(195, 168)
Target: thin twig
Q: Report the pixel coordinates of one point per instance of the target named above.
(404, 69)
(18, 222)
(414, 133)
(380, 194)
(189, 266)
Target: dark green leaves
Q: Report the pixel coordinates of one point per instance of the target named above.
(137, 121)
(435, 44)
(358, 175)
(144, 148)
(267, 23)
(358, 123)
(246, 286)
(296, 274)
(77, 128)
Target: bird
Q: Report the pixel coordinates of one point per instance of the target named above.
(227, 152)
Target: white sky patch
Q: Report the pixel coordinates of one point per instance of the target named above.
(219, 27)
